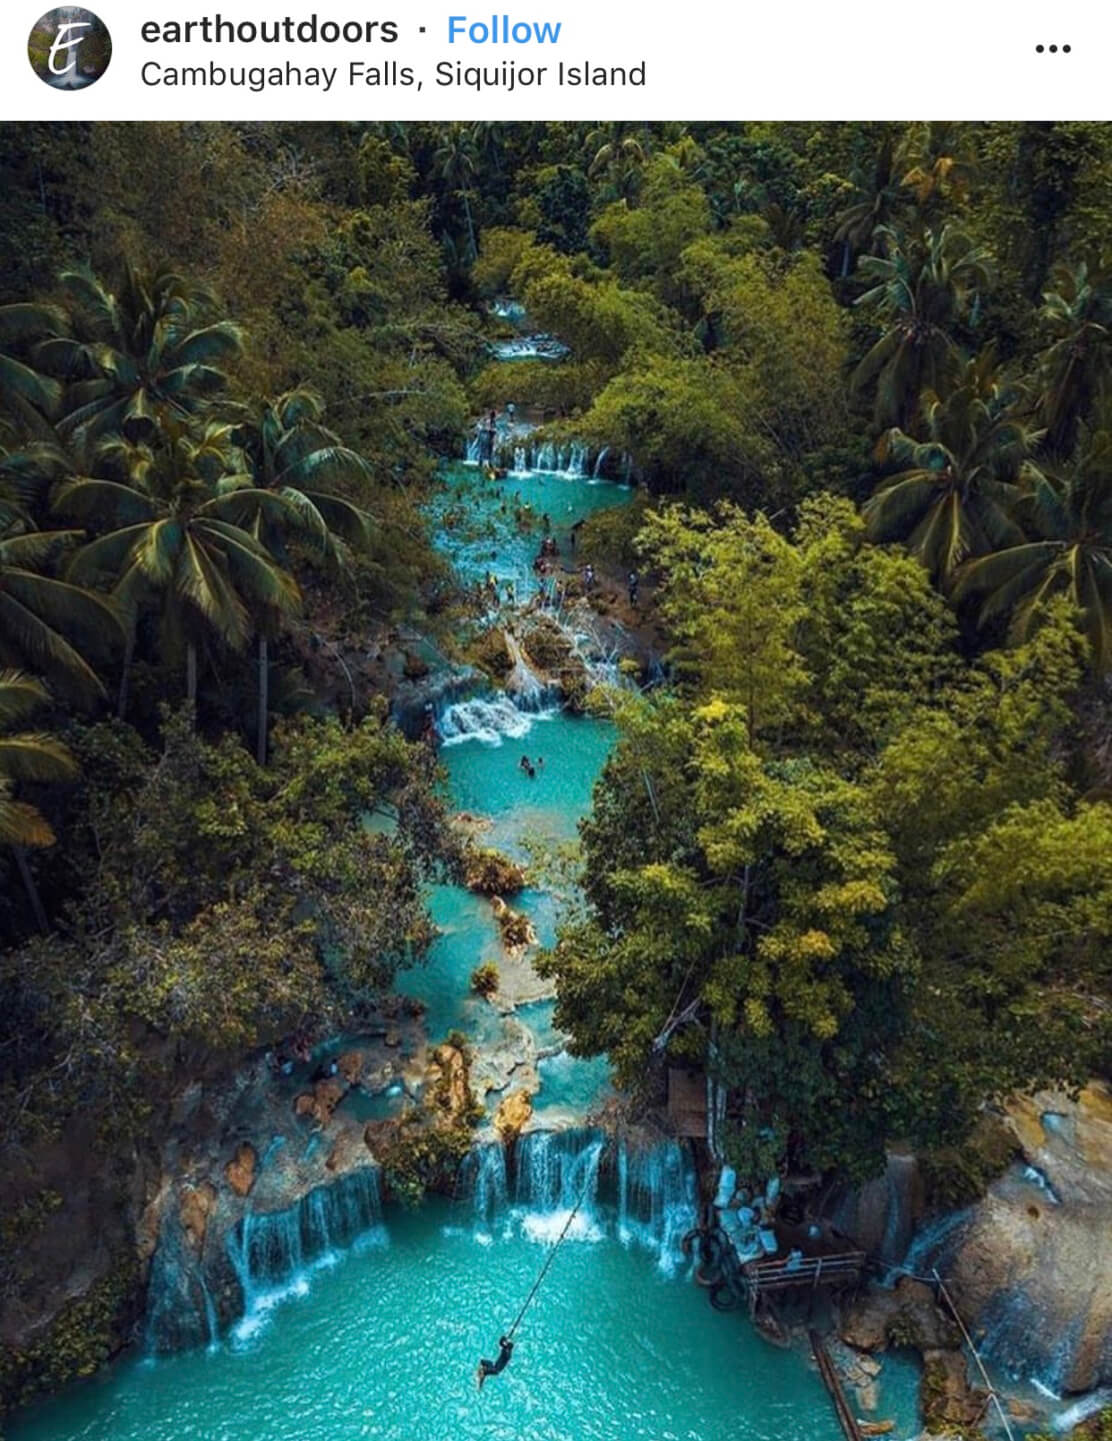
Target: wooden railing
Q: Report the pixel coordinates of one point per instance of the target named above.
(777, 1275)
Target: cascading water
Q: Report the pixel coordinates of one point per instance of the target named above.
(657, 1198)
(180, 1310)
(492, 719)
(603, 453)
(270, 1250)
(645, 1196)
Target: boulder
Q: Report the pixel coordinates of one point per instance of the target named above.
(905, 1316)
(513, 1114)
(320, 1103)
(1030, 1266)
(197, 1202)
(350, 1067)
(947, 1398)
(240, 1170)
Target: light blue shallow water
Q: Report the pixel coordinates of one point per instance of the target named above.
(495, 526)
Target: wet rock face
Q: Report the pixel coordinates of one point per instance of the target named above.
(240, 1170)
(882, 1214)
(1031, 1268)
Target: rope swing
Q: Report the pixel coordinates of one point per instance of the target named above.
(506, 1341)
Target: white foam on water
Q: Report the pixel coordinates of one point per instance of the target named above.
(490, 720)
(546, 1227)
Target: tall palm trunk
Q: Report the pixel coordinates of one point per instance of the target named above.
(264, 700)
(191, 674)
(37, 908)
(125, 675)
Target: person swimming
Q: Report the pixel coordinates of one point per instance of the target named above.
(492, 1368)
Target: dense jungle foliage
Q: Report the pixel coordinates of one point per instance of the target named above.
(856, 856)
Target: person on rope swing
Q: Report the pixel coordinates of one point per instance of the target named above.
(492, 1368)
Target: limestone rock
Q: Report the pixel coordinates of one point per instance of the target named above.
(906, 1316)
(240, 1170)
(350, 1066)
(947, 1398)
(320, 1103)
(196, 1206)
(1030, 1269)
(446, 1081)
(513, 1114)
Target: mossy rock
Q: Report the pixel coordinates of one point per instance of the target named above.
(490, 873)
(85, 1334)
(546, 645)
(490, 653)
(954, 1176)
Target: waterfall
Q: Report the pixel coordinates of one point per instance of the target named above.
(483, 1177)
(603, 453)
(493, 719)
(520, 465)
(180, 1310)
(576, 466)
(644, 1196)
(927, 1245)
(270, 1250)
(657, 1199)
(1081, 1410)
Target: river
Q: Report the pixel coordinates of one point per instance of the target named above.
(378, 1337)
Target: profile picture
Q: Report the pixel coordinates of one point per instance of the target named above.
(69, 48)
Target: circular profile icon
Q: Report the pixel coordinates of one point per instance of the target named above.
(69, 48)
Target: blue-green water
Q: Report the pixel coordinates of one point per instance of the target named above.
(495, 527)
(381, 1340)
(382, 1343)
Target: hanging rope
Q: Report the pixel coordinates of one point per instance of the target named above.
(548, 1260)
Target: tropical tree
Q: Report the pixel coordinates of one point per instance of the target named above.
(455, 165)
(877, 197)
(617, 153)
(924, 286)
(27, 756)
(292, 464)
(954, 492)
(1068, 552)
(47, 622)
(21, 385)
(174, 539)
(1076, 366)
(135, 352)
(939, 163)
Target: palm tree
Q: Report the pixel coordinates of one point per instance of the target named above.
(1069, 552)
(292, 459)
(923, 289)
(27, 756)
(22, 386)
(1076, 367)
(619, 153)
(455, 166)
(47, 622)
(175, 538)
(955, 491)
(864, 222)
(939, 163)
(135, 353)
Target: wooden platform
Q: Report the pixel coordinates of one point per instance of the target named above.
(687, 1103)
